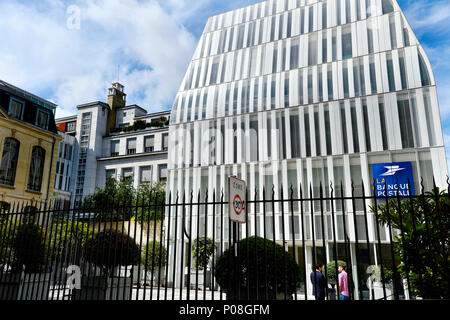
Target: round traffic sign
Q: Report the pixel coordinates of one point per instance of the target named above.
(237, 204)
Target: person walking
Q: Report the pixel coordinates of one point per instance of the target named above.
(343, 284)
(318, 282)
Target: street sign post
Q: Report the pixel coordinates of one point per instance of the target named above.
(237, 200)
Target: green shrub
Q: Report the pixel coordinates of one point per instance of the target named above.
(29, 248)
(254, 268)
(203, 249)
(109, 249)
(331, 271)
(154, 255)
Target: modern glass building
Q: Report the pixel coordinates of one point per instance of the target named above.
(304, 92)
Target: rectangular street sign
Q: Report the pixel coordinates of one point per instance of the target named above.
(237, 202)
(392, 179)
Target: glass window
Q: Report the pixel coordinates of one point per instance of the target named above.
(366, 124)
(428, 114)
(281, 135)
(390, 70)
(354, 127)
(404, 115)
(423, 71)
(162, 168)
(165, 141)
(370, 29)
(356, 77)
(295, 134)
(392, 32)
(324, 15)
(15, 109)
(346, 42)
(387, 6)
(373, 78)
(345, 79)
(330, 82)
(128, 174)
(272, 30)
(280, 27)
(36, 169)
(401, 60)
(327, 130)
(286, 89)
(115, 148)
(294, 56)
(131, 146)
(324, 46)
(9, 161)
(334, 45)
(310, 87)
(362, 80)
(319, 83)
(300, 86)
(214, 71)
(307, 134)
(289, 24)
(311, 19)
(269, 135)
(275, 58)
(383, 123)
(146, 174)
(149, 143)
(344, 127)
(42, 119)
(312, 49)
(317, 132)
(254, 139)
(110, 174)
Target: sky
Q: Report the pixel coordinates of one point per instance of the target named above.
(70, 51)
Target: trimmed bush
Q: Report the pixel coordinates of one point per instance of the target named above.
(154, 255)
(29, 249)
(268, 265)
(109, 249)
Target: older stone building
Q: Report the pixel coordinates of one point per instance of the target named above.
(28, 148)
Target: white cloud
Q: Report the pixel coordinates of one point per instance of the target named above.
(73, 67)
(433, 15)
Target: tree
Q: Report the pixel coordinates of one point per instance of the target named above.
(154, 255)
(114, 201)
(202, 249)
(150, 202)
(332, 277)
(119, 200)
(262, 265)
(422, 245)
(110, 249)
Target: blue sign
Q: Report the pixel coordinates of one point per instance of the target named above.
(392, 179)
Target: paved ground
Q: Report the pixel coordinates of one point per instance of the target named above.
(169, 294)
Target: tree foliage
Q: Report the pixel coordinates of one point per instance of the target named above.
(110, 249)
(154, 255)
(422, 242)
(202, 249)
(262, 265)
(119, 200)
(331, 271)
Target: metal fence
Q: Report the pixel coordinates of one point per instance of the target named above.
(184, 247)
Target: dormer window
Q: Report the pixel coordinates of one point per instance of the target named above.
(42, 119)
(16, 108)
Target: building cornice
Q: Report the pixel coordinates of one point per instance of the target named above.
(136, 155)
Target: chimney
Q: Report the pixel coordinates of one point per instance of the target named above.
(116, 99)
